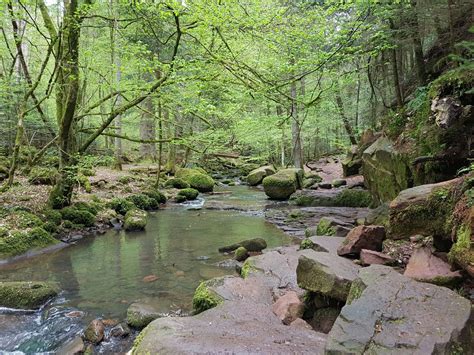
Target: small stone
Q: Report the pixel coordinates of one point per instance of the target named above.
(121, 330)
(370, 257)
(241, 254)
(288, 307)
(74, 314)
(139, 315)
(325, 185)
(110, 322)
(75, 346)
(94, 332)
(179, 273)
(362, 237)
(300, 323)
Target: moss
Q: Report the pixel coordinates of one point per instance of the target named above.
(306, 244)
(205, 299)
(180, 199)
(189, 193)
(353, 198)
(177, 183)
(43, 176)
(144, 202)
(26, 295)
(19, 242)
(247, 268)
(281, 185)
(83, 181)
(156, 195)
(325, 227)
(454, 82)
(461, 252)
(121, 205)
(241, 254)
(20, 219)
(196, 178)
(86, 171)
(67, 225)
(138, 340)
(78, 216)
(51, 216)
(124, 180)
(357, 287)
(135, 220)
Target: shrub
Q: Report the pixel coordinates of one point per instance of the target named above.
(121, 205)
(156, 195)
(143, 202)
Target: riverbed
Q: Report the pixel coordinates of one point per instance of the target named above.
(101, 276)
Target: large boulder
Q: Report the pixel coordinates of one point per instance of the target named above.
(256, 176)
(235, 327)
(423, 209)
(326, 274)
(26, 294)
(285, 182)
(135, 220)
(371, 257)
(362, 237)
(424, 266)
(95, 331)
(386, 171)
(389, 313)
(197, 178)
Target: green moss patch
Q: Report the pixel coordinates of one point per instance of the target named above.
(19, 242)
(325, 227)
(135, 220)
(205, 299)
(26, 295)
(196, 178)
(43, 176)
(189, 193)
(177, 183)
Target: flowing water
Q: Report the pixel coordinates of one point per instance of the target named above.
(102, 275)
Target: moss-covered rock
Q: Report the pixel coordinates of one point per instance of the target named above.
(135, 220)
(306, 244)
(462, 252)
(143, 202)
(255, 244)
(139, 315)
(256, 176)
(180, 198)
(177, 183)
(156, 195)
(197, 178)
(25, 294)
(43, 176)
(241, 254)
(283, 184)
(353, 198)
(204, 298)
(189, 193)
(121, 205)
(325, 227)
(78, 215)
(19, 242)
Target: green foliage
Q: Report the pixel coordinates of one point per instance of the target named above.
(78, 216)
(325, 227)
(19, 242)
(306, 244)
(177, 183)
(121, 205)
(189, 193)
(143, 202)
(43, 176)
(204, 299)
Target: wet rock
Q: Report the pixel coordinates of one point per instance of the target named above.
(94, 332)
(370, 257)
(150, 278)
(135, 220)
(424, 266)
(362, 237)
(324, 318)
(288, 307)
(300, 323)
(329, 226)
(75, 314)
(256, 244)
(233, 327)
(197, 178)
(229, 264)
(75, 346)
(121, 330)
(26, 294)
(339, 182)
(139, 315)
(326, 274)
(325, 185)
(281, 185)
(446, 110)
(390, 313)
(241, 254)
(256, 176)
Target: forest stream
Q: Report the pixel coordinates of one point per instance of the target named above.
(101, 276)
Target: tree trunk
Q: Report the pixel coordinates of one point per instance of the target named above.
(148, 131)
(394, 63)
(345, 120)
(279, 111)
(160, 144)
(118, 77)
(295, 129)
(417, 46)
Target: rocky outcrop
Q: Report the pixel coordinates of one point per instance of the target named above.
(283, 184)
(26, 294)
(352, 164)
(424, 266)
(386, 171)
(140, 314)
(326, 274)
(256, 176)
(197, 178)
(390, 313)
(255, 245)
(362, 237)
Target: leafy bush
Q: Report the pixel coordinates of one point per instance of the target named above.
(156, 195)
(121, 205)
(143, 202)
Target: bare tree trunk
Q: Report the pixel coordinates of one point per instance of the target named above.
(345, 120)
(394, 63)
(417, 46)
(148, 130)
(160, 144)
(172, 132)
(295, 128)
(279, 111)
(118, 77)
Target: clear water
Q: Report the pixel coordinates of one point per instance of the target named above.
(101, 276)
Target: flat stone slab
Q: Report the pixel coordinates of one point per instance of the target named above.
(235, 327)
(388, 313)
(326, 244)
(326, 273)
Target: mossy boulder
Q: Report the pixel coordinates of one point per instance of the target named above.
(256, 176)
(189, 193)
(139, 315)
(18, 242)
(196, 178)
(283, 184)
(204, 298)
(135, 220)
(180, 199)
(121, 205)
(177, 183)
(26, 294)
(255, 245)
(95, 332)
(78, 215)
(325, 227)
(158, 196)
(386, 171)
(43, 176)
(241, 254)
(143, 202)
